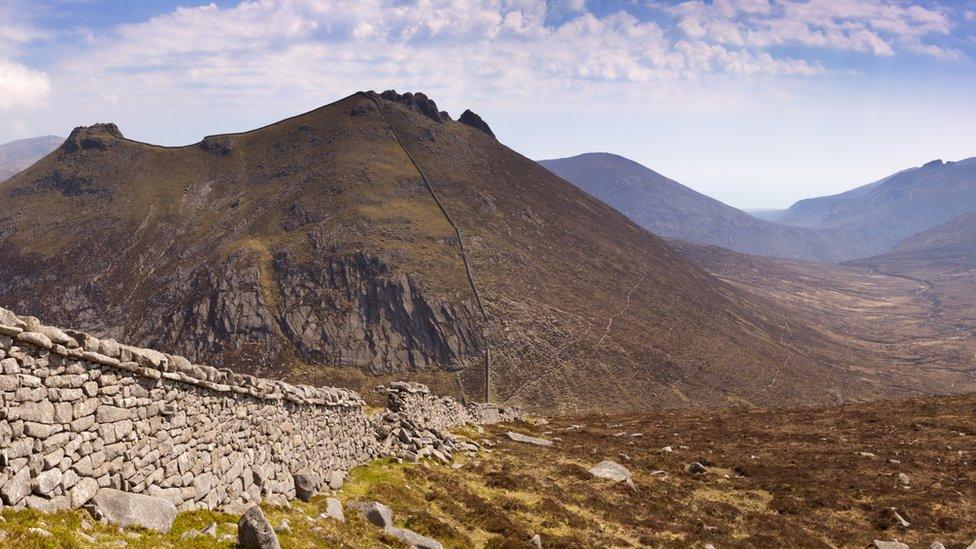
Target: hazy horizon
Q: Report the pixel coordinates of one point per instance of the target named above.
(756, 103)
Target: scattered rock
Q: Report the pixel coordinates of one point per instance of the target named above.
(210, 530)
(40, 532)
(375, 513)
(901, 520)
(413, 538)
(255, 532)
(519, 437)
(937, 545)
(903, 478)
(879, 544)
(536, 541)
(610, 470)
(283, 527)
(127, 509)
(333, 510)
(667, 449)
(697, 468)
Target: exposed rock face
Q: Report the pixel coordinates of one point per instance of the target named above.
(346, 310)
(472, 119)
(417, 101)
(138, 434)
(98, 136)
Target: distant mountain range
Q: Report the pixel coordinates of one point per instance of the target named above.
(670, 209)
(17, 155)
(863, 222)
(894, 208)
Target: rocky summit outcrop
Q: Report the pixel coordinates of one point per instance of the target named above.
(137, 434)
(472, 119)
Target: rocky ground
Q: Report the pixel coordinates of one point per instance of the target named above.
(825, 477)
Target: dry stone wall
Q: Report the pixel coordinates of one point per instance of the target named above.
(78, 414)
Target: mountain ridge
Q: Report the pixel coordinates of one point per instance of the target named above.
(670, 209)
(19, 154)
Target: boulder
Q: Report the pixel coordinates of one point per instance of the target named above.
(697, 468)
(17, 487)
(254, 531)
(127, 509)
(519, 437)
(610, 470)
(335, 479)
(413, 538)
(375, 513)
(306, 485)
(333, 510)
(879, 544)
(82, 492)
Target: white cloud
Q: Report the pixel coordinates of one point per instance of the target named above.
(20, 86)
(878, 27)
(478, 49)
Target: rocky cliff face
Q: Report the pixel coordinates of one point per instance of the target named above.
(346, 310)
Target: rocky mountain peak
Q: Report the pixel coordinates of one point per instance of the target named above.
(470, 118)
(97, 136)
(417, 101)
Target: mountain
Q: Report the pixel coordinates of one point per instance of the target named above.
(17, 155)
(900, 205)
(378, 235)
(668, 208)
(951, 245)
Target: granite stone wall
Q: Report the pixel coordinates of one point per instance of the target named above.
(78, 413)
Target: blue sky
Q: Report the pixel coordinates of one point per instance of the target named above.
(755, 102)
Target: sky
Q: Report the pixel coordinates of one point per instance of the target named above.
(758, 103)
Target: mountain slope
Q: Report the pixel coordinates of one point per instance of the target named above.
(900, 205)
(667, 208)
(17, 155)
(316, 241)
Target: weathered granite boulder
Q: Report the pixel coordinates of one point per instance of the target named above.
(254, 531)
(610, 470)
(306, 485)
(128, 509)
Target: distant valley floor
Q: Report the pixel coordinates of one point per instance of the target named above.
(913, 332)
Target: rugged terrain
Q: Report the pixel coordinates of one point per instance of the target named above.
(670, 209)
(894, 208)
(17, 155)
(821, 477)
(317, 242)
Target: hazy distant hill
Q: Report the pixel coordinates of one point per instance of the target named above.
(668, 208)
(315, 242)
(900, 205)
(17, 155)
